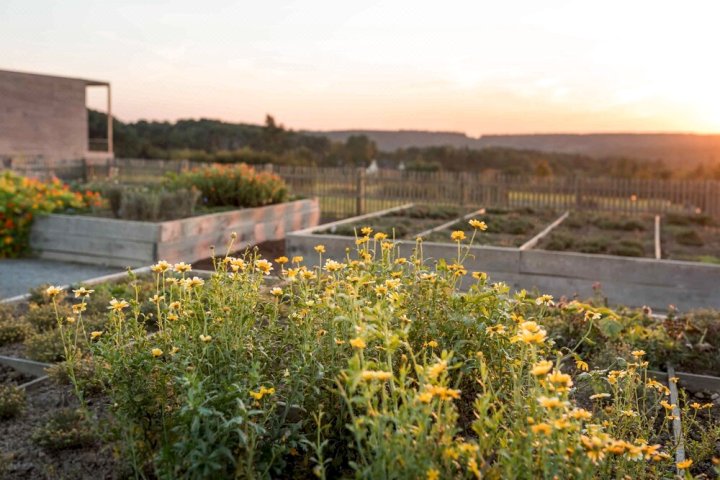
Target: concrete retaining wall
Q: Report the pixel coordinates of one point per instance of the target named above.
(625, 281)
(105, 241)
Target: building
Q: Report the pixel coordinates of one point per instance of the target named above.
(44, 124)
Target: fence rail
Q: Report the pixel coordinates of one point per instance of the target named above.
(351, 191)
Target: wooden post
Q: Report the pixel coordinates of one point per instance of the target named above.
(360, 191)
(109, 121)
(658, 250)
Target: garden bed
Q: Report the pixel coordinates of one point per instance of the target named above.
(403, 222)
(625, 280)
(690, 237)
(296, 364)
(603, 233)
(123, 243)
(505, 227)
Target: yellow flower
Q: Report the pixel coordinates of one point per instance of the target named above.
(550, 402)
(262, 392)
(684, 464)
(82, 292)
(161, 266)
(358, 343)
(182, 267)
(277, 291)
(297, 259)
(94, 335)
(431, 344)
(53, 291)
(580, 414)
(366, 231)
(638, 353)
(583, 366)
(435, 370)
(320, 248)
(458, 236)
(480, 276)
(118, 305)
(544, 300)
(156, 352)
(380, 236)
(542, 368)
(432, 474)
(79, 307)
(541, 428)
(205, 338)
(478, 224)
(263, 266)
(281, 260)
(370, 375)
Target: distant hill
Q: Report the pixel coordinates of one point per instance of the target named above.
(674, 148)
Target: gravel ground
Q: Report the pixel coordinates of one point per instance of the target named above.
(17, 276)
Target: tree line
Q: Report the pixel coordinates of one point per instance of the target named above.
(223, 142)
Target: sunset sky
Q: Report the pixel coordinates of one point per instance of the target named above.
(520, 66)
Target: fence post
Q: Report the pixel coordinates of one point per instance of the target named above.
(360, 191)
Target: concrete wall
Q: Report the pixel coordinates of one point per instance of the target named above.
(625, 281)
(121, 243)
(43, 119)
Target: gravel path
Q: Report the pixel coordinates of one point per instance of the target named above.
(19, 275)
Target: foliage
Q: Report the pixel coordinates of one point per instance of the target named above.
(13, 330)
(66, 429)
(22, 198)
(689, 237)
(232, 186)
(12, 401)
(371, 366)
(45, 346)
(43, 317)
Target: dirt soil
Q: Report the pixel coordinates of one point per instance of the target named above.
(22, 459)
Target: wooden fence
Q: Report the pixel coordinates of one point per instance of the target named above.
(345, 192)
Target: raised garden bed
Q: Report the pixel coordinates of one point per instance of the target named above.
(228, 325)
(625, 280)
(505, 227)
(123, 243)
(603, 233)
(690, 237)
(403, 222)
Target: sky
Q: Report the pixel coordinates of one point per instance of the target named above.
(479, 67)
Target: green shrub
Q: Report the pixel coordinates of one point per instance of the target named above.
(45, 346)
(66, 429)
(231, 186)
(43, 317)
(592, 245)
(83, 373)
(158, 205)
(560, 242)
(13, 330)
(690, 238)
(12, 401)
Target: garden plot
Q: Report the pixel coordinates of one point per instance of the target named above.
(603, 233)
(690, 237)
(505, 227)
(399, 223)
(201, 349)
